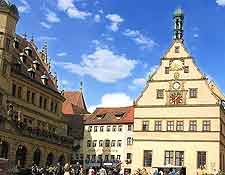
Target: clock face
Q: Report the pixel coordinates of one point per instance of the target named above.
(176, 98)
(176, 85)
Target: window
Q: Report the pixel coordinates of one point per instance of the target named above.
(177, 49)
(100, 143)
(193, 92)
(206, 125)
(180, 126)
(158, 125)
(107, 143)
(45, 103)
(186, 69)
(88, 157)
(16, 44)
(119, 143)
(113, 143)
(94, 143)
(167, 70)
(19, 92)
(118, 157)
(95, 128)
(129, 158)
(193, 125)
(145, 126)
(52, 104)
(201, 159)
(120, 128)
(89, 143)
(101, 128)
(179, 158)
(129, 127)
(14, 90)
(129, 140)
(108, 128)
(99, 158)
(33, 98)
(7, 44)
(114, 128)
(56, 107)
(28, 96)
(93, 158)
(170, 125)
(168, 157)
(112, 157)
(40, 101)
(1, 99)
(106, 158)
(89, 128)
(147, 158)
(160, 93)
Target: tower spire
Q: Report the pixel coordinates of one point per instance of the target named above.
(178, 18)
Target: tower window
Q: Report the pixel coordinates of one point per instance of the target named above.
(186, 69)
(177, 49)
(167, 70)
(160, 93)
(193, 92)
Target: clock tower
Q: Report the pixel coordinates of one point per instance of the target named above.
(183, 113)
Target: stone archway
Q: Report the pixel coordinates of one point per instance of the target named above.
(50, 159)
(4, 148)
(61, 159)
(21, 155)
(37, 156)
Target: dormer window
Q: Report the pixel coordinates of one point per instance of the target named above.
(177, 49)
(23, 57)
(31, 72)
(36, 64)
(44, 79)
(100, 116)
(186, 69)
(28, 51)
(119, 115)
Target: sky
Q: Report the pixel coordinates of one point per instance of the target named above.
(113, 45)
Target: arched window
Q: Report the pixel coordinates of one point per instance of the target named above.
(37, 156)
(1, 98)
(50, 159)
(61, 160)
(21, 155)
(4, 147)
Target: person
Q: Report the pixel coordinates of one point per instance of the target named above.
(156, 172)
(91, 171)
(81, 170)
(160, 172)
(102, 171)
(67, 169)
(77, 168)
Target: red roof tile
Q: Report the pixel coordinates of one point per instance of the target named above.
(117, 115)
(74, 103)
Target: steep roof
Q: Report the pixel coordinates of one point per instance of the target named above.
(74, 103)
(117, 115)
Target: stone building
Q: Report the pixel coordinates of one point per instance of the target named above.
(108, 138)
(179, 117)
(32, 127)
(74, 110)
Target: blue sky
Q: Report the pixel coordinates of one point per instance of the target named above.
(113, 45)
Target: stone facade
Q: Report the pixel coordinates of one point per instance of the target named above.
(32, 127)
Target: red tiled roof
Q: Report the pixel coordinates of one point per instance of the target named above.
(117, 115)
(74, 103)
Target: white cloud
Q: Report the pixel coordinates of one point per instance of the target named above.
(61, 54)
(220, 2)
(139, 82)
(103, 64)
(51, 17)
(97, 18)
(72, 11)
(140, 39)
(24, 7)
(45, 25)
(196, 35)
(46, 38)
(115, 20)
(113, 100)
